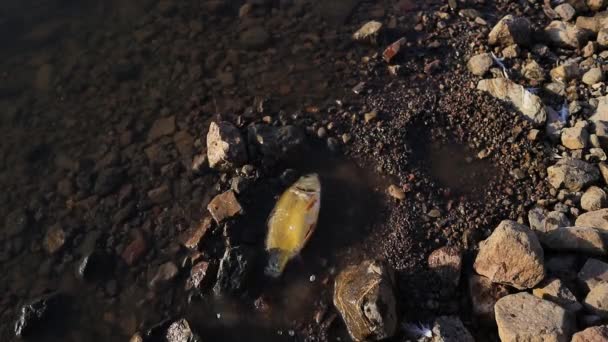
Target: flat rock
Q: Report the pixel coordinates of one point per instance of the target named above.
(512, 255)
(594, 198)
(575, 138)
(224, 206)
(484, 294)
(511, 30)
(225, 146)
(364, 297)
(162, 127)
(446, 262)
(555, 291)
(480, 64)
(234, 270)
(450, 328)
(566, 35)
(572, 174)
(523, 317)
(597, 300)
(595, 219)
(584, 240)
(593, 273)
(530, 105)
(592, 334)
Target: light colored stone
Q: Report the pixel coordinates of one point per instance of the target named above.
(512, 255)
(225, 146)
(480, 64)
(593, 76)
(450, 328)
(593, 199)
(572, 174)
(596, 219)
(593, 273)
(592, 334)
(604, 171)
(530, 105)
(523, 317)
(554, 290)
(484, 294)
(602, 38)
(511, 51)
(446, 262)
(565, 72)
(575, 138)
(589, 49)
(511, 30)
(576, 239)
(364, 297)
(533, 71)
(565, 11)
(596, 5)
(593, 24)
(566, 35)
(597, 300)
(224, 206)
(368, 32)
(601, 111)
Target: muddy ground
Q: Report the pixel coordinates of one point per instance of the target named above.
(80, 95)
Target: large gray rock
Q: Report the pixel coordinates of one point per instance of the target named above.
(576, 239)
(594, 198)
(450, 328)
(530, 105)
(480, 64)
(225, 146)
(592, 334)
(596, 219)
(597, 300)
(593, 273)
(554, 290)
(364, 297)
(566, 35)
(511, 30)
(484, 294)
(572, 174)
(523, 317)
(512, 255)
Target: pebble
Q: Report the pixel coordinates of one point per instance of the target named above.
(593, 76)
(594, 198)
(565, 11)
(480, 64)
(396, 192)
(224, 206)
(511, 30)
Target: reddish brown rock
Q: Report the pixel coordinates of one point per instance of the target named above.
(191, 238)
(224, 206)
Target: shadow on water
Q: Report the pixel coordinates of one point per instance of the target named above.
(351, 201)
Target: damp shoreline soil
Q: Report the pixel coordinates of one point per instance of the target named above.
(94, 110)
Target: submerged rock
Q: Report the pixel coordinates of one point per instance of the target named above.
(523, 317)
(235, 267)
(512, 255)
(33, 315)
(225, 146)
(530, 105)
(364, 297)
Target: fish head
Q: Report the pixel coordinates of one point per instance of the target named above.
(277, 260)
(309, 183)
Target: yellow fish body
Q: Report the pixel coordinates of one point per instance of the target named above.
(292, 222)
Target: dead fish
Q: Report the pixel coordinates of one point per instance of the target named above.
(292, 222)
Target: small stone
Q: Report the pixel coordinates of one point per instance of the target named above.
(179, 331)
(573, 174)
(370, 116)
(592, 334)
(565, 11)
(450, 328)
(235, 267)
(527, 103)
(192, 237)
(597, 300)
(593, 76)
(160, 195)
(198, 276)
(161, 127)
(566, 35)
(135, 250)
(393, 50)
(565, 73)
(54, 239)
(602, 38)
(368, 32)
(589, 49)
(364, 297)
(596, 219)
(575, 138)
(446, 262)
(224, 206)
(484, 294)
(480, 64)
(511, 30)
(33, 315)
(254, 38)
(523, 317)
(593, 273)
(555, 291)
(533, 71)
(396, 192)
(512, 255)
(511, 51)
(165, 273)
(533, 134)
(225, 146)
(594, 198)
(575, 239)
